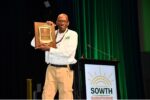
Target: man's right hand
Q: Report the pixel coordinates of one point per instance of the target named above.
(44, 47)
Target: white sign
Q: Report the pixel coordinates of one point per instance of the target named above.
(100, 82)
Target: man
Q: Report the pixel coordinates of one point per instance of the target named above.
(59, 76)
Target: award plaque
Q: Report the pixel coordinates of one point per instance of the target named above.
(44, 34)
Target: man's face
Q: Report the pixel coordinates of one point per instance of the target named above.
(62, 22)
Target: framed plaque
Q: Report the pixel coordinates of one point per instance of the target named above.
(44, 34)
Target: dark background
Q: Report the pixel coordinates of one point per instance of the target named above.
(20, 61)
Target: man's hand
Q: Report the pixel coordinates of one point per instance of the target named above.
(51, 23)
(44, 47)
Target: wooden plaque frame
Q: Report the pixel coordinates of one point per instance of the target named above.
(44, 34)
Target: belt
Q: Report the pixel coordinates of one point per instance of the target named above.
(61, 65)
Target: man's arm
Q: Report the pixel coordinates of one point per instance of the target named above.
(33, 42)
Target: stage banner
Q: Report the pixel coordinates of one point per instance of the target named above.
(100, 82)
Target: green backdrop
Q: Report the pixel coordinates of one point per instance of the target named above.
(108, 31)
(145, 24)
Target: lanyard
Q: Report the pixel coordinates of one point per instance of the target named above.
(62, 37)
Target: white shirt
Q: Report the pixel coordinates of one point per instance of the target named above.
(65, 51)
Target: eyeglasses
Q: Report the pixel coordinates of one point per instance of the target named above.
(62, 21)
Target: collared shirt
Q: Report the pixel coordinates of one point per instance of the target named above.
(65, 50)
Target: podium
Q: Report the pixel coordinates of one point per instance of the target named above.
(96, 80)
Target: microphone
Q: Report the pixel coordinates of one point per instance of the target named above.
(101, 52)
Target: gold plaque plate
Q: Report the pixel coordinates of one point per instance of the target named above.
(44, 34)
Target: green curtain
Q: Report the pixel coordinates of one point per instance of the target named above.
(108, 30)
(100, 33)
(145, 16)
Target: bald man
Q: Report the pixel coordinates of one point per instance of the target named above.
(59, 76)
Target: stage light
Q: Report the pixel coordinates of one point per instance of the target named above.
(47, 4)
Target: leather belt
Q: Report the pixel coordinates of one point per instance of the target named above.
(58, 65)
(62, 65)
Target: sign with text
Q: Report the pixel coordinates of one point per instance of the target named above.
(100, 82)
